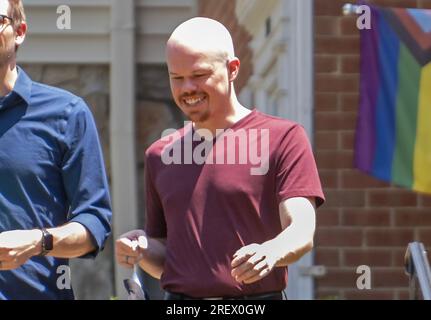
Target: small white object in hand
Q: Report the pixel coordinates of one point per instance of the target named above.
(143, 242)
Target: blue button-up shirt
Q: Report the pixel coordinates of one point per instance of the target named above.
(51, 173)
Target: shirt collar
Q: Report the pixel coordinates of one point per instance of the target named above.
(22, 86)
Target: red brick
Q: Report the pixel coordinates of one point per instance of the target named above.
(424, 236)
(332, 121)
(334, 159)
(348, 25)
(328, 217)
(205, 7)
(326, 26)
(328, 8)
(325, 102)
(329, 178)
(412, 217)
(389, 278)
(369, 257)
(326, 140)
(350, 64)
(373, 294)
(392, 198)
(337, 45)
(344, 198)
(347, 140)
(338, 237)
(365, 217)
(425, 200)
(349, 102)
(336, 83)
(325, 64)
(337, 277)
(389, 237)
(354, 179)
(403, 294)
(327, 257)
(398, 257)
(425, 4)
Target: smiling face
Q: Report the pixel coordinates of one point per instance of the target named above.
(199, 81)
(202, 68)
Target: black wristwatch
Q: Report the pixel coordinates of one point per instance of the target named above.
(47, 242)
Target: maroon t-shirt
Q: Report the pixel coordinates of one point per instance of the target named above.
(207, 211)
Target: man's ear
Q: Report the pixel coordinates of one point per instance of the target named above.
(233, 67)
(20, 33)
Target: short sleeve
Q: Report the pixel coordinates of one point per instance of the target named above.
(297, 174)
(84, 176)
(155, 223)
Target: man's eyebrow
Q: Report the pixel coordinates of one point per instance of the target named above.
(204, 69)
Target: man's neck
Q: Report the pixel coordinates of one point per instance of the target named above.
(232, 115)
(8, 76)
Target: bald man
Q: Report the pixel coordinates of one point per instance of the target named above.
(217, 229)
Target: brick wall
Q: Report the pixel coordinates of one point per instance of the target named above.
(224, 11)
(365, 221)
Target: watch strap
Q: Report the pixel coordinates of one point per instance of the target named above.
(47, 242)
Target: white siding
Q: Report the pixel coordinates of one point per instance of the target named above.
(155, 22)
(88, 40)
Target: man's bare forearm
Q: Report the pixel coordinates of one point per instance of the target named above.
(298, 221)
(70, 241)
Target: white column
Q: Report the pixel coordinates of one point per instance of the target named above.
(300, 96)
(299, 66)
(122, 126)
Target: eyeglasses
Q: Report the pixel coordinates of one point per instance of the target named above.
(3, 18)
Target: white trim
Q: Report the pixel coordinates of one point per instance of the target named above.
(300, 57)
(81, 3)
(60, 49)
(165, 3)
(122, 127)
(299, 83)
(88, 40)
(252, 13)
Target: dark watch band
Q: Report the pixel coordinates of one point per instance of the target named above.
(47, 242)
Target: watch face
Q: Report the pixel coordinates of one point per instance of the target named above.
(47, 240)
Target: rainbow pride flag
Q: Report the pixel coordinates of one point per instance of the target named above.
(393, 134)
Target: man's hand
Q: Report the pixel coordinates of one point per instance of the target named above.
(130, 247)
(17, 246)
(253, 262)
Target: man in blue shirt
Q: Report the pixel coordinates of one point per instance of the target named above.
(54, 196)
